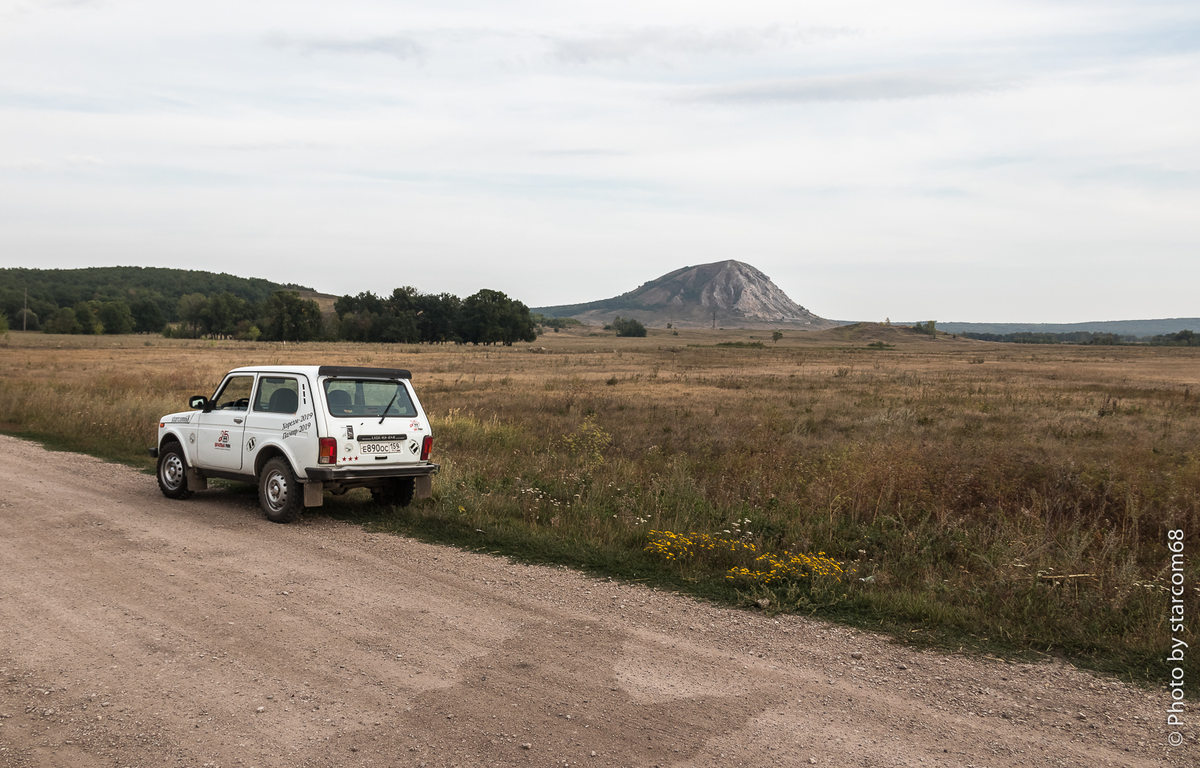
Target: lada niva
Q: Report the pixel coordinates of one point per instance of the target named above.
(298, 431)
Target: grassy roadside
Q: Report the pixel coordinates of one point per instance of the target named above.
(1006, 501)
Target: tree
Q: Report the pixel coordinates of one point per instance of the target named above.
(438, 318)
(222, 313)
(87, 315)
(192, 307)
(247, 331)
(148, 316)
(403, 299)
(287, 317)
(359, 318)
(481, 317)
(357, 326)
(490, 317)
(396, 317)
(399, 328)
(115, 317)
(776, 336)
(363, 302)
(517, 323)
(62, 321)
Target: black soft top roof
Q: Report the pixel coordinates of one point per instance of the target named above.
(350, 371)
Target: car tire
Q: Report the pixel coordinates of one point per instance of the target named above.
(397, 492)
(172, 472)
(280, 495)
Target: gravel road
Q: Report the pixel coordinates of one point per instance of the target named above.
(137, 631)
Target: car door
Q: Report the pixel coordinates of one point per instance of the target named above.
(282, 416)
(220, 427)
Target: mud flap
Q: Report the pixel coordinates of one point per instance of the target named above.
(424, 487)
(314, 494)
(196, 481)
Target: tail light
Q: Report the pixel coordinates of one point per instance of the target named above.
(426, 447)
(327, 451)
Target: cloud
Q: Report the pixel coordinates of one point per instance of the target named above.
(399, 47)
(579, 152)
(869, 86)
(24, 164)
(661, 42)
(273, 146)
(82, 161)
(40, 164)
(22, 7)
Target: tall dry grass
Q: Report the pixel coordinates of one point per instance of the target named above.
(1002, 496)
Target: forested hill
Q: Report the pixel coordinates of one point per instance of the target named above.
(67, 287)
(1132, 328)
(142, 298)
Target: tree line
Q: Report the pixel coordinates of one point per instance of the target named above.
(405, 316)
(282, 316)
(1184, 338)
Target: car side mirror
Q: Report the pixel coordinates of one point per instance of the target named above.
(198, 401)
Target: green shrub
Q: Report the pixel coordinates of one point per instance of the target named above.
(628, 327)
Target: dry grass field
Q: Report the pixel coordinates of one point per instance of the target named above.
(1013, 499)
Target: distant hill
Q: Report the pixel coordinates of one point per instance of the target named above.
(45, 291)
(324, 300)
(65, 287)
(869, 333)
(729, 294)
(1120, 327)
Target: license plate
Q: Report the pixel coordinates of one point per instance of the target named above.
(381, 447)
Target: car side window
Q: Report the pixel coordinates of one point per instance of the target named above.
(277, 394)
(235, 394)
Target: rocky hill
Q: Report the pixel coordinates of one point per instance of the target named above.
(727, 294)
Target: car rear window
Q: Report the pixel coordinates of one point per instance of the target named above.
(348, 398)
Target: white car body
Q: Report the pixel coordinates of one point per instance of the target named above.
(298, 431)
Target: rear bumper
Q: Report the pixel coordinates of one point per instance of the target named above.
(354, 474)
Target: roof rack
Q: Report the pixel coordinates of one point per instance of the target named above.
(349, 371)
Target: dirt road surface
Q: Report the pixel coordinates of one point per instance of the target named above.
(137, 631)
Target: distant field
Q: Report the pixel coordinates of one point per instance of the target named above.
(1013, 499)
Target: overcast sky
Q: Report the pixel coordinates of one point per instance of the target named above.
(957, 161)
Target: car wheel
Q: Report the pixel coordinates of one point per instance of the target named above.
(396, 493)
(172, 472)
(279, 493)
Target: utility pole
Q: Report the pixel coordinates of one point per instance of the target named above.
(25, 310)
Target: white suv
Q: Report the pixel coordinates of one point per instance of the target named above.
(298, 431)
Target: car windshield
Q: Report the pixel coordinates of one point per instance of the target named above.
(348, 398)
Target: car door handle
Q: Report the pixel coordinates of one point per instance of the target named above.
(237, 421)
